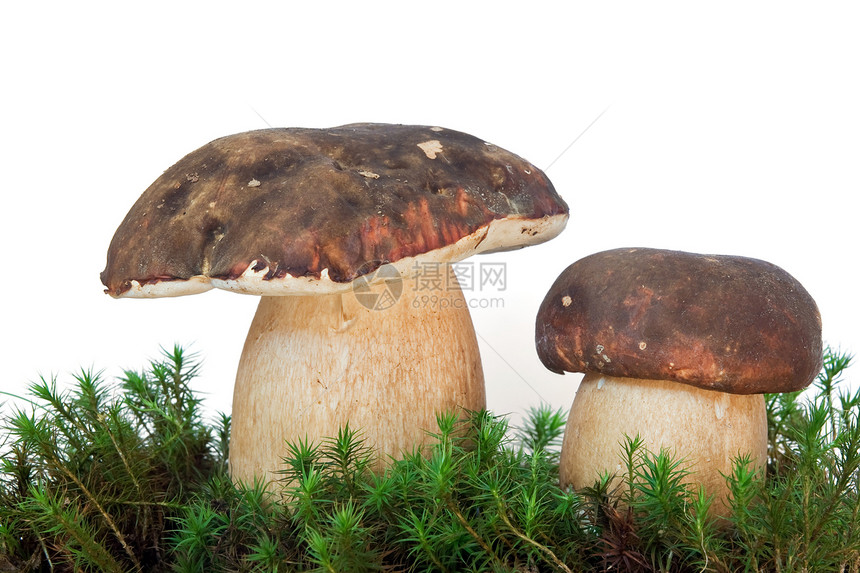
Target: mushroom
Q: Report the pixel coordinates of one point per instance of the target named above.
(346, 234)
(677, 348)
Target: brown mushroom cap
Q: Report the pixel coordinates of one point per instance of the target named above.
(292, 211)
(717, 322)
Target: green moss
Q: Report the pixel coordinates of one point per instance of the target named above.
(128, 475)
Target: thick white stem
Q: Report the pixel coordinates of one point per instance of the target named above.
(707, 429)
(313, 363)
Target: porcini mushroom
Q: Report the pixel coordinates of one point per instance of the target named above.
(677, 348)
(311, 220)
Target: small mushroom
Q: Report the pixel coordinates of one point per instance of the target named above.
(677, 348)
(333, 229)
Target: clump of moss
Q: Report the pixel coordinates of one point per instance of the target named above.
(129, 475)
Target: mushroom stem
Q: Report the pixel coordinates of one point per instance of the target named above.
(312, 364)
(705, 428)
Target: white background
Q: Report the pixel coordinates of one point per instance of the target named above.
(731, 128)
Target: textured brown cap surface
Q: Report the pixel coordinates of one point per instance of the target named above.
(725, 323)
(325, 205)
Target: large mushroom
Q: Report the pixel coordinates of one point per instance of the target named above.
(677, 348)
(333, 228)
